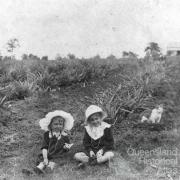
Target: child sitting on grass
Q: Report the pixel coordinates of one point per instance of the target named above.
(55, 141)
(98, 139)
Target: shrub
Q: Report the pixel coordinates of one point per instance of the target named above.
(44, 81)
(18, 73)
(21, 90)
(135, 93)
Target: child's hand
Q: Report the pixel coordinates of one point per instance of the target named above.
(66, 132)
(67, 146)
(46, 161)
(91, 153)
(99, 153)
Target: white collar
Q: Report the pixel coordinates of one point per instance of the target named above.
(97, 132)
(57, 134)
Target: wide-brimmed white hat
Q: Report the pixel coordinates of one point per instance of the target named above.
(68, 124)
(92, 109)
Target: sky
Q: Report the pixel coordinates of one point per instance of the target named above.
(88, 27)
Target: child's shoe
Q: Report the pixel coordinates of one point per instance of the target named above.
(92, 161)
(80, 166)
(48, 170)
(106, 164)
(38, 171)
(27, 172)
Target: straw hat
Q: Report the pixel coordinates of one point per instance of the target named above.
(69, 120)
(92, 109)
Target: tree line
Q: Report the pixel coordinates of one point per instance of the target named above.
(152, 50)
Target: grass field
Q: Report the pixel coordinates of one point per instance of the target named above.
(124, 90)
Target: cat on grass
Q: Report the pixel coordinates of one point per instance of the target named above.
(153, 116)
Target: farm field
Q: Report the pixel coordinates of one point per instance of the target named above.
(124, 90)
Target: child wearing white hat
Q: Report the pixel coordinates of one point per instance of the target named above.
(98, 139)
(55, 141)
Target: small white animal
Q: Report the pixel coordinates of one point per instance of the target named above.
(155, 116)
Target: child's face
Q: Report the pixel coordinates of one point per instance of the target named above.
(95, 119)
(57, 124)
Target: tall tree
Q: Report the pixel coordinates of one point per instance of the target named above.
(58, 57)
(1, 57)
(24, 57)
(71, 56)
(44, 58)
(125, 54)
(132, 54)
(111, 57)
(11, 45)
(153, 50)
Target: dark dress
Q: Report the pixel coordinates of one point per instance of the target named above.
(54, 146)
(105, 142)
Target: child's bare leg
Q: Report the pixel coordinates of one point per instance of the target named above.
(106, 157)
(82, 157)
